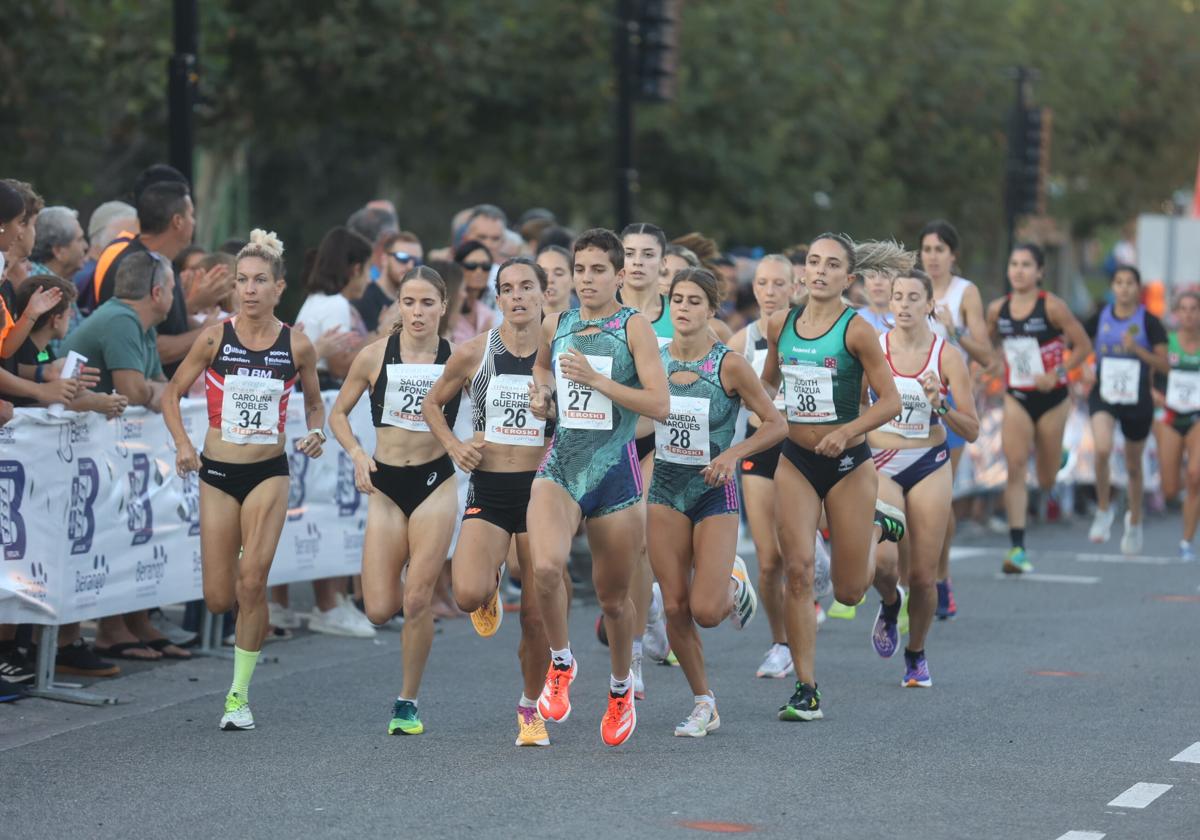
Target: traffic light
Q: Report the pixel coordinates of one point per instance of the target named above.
(657, 56)
(1028, 160)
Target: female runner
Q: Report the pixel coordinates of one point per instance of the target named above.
(608, 373)
(820, 352)
(251, 363)
(914, 466)
(502, 457)
(693, 502)
(1178, 432)
(1030, 325)
(1131, 345)
(411, 517)
(555, 260)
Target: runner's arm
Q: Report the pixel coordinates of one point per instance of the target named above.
(197, 360)
(961, 417)
(741, 379)
(543, 371)
(975, 340)
(305, 355)
(863, 342)
(771, 375)
(455, 376)
(1060, 315)
(358, 380)
(652, 399)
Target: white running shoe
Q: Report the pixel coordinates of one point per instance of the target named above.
(174, 633)
(745, 599)
(635, 670)
(1102, 524)
(822, 581)
(1131, 541)
(700, 722)
(654, 640)
(342, 620)
(280, 616)
(778, 663)
(1185, 552)
(820, 611)
(238, 719)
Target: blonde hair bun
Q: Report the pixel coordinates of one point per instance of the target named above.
(268, 241)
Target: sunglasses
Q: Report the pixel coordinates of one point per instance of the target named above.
(477, 266)
(405, 257)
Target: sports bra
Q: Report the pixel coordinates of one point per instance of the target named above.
(399, 390)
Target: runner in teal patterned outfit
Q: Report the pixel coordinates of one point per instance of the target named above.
(597, 370)
(693, 499)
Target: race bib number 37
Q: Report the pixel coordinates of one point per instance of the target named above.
(581, 407)
(808, 394)
(250, 409)
(407, 386)
(507, 418)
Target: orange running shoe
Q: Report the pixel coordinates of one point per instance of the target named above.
(620, 720)
(554, 703)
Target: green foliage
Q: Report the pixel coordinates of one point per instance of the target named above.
(894, 111)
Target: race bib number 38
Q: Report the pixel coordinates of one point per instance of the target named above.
(507, 418)
(683, 439)
(407, 386)
(581, 407)
(250, 409)
(808, 394)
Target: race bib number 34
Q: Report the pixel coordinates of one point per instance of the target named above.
(250, 409)
(808, 394)
(507, 418)
(1024, 358)
(683, 439)
(581, 407)
(407, 386)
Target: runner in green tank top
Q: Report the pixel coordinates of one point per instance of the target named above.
(608, 372)
(820, 353)
(1178, 430)
(693, 499)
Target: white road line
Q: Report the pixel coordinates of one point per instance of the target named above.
(967, 552)
(1082, 835)
(1140, 795)
(1047, 578)
(1141, 559)
(1191, 755)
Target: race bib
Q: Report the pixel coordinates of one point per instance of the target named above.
(581, 407)
(407, 386)
(1183, 391)
(663, 341)
(808, 394)
(1024, 358)
(1119, 380)
(507, 418)
(913, 419)
(250, 409)
(683, 438)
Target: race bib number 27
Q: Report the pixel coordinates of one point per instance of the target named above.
(581, 407)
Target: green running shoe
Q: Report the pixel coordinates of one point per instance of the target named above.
(1016, 563)
(902, 620)
(891, 522)
(805, 704)
(405, 720)
(839, 610)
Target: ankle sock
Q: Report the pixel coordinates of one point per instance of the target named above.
(1017, 537)
(526, 703)
(617, 686)
(562, 657)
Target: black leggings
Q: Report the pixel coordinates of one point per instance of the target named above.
(822, 472)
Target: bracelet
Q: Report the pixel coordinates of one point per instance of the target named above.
(320, 434)
(37, 373)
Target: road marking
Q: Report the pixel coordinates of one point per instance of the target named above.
(1178, 599)
(967, 552)
(716, 827)
(1082, 835)
(1191, 755)
(1140, 795)
(1047, 578)
(1143, 559)
(1057, 674)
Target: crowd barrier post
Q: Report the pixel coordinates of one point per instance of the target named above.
(45, 686)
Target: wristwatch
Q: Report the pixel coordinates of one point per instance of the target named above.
(942, 410)
(320, 434)
(1060, 371)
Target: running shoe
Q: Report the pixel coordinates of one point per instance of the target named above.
(237, 714)
(554, 703)
(839, 610)
(671, 660)
(80, 659)
(1185, 552)
(654, 640)
(745, 599)
(404, 719)
(488, 617)
(619, 720)
(15, 668)
(1016, 563)
(700, 722)
(942, 612)
(280, 616)
(822, 579)
(1131, 541)
(902, 618)
(953, 604)
(601, 630)
(916, 671)
(804, 704)
(635, 670)
(1102, 524)
(891, 522)
(820, 611)
(531, 729)
(885, 635)
(342, 620)
(777, 664)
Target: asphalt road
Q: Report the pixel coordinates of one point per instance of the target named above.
(1053, 697)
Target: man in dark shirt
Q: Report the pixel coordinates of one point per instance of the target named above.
(402, 252)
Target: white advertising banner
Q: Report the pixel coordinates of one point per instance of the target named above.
(94, 521)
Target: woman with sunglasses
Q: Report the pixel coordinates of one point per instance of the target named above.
(403, 252)
(477, 317)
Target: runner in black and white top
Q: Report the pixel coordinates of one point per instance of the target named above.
(410, 520)
(250, 364)
(1131, 346)
(502, 457)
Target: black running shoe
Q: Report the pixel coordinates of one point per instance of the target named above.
(890, 521)
(79, 659)
(805, 704)
(15, 669)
